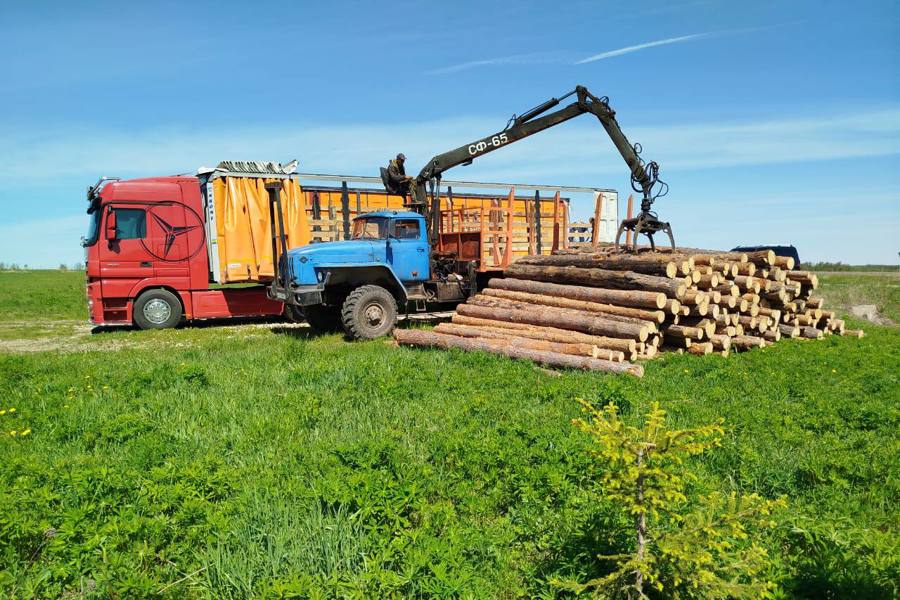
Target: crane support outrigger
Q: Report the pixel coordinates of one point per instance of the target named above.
(644, 177)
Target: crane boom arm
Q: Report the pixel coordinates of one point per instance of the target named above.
(531, 123)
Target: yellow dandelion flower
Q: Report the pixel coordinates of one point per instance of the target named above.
(12, 410)
(65, 406)
(12, 432)
(25, 432)
(105, 387)
(834, 370)
(2, 412)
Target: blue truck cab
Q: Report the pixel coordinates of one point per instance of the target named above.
(358, 284)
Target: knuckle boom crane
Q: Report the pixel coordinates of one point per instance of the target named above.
(644, 176)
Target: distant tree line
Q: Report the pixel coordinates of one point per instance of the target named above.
(4, 266)
(839, 266)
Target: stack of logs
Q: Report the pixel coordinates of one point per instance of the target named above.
(599, 309)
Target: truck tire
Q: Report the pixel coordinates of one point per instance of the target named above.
(157, 309)
(369, 312)
(323, 319)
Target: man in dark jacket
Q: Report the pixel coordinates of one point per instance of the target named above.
(397, 182)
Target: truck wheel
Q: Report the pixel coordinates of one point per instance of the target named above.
(370, 311)
(157, 309)
(323, 319)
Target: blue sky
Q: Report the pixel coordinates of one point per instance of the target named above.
(773, 122)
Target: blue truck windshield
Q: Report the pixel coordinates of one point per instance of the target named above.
(375, 228)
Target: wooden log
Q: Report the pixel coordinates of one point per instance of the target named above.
(700, 348)
(748, 269)
(762, 258)
(430, 339)
(804, 277)
(748, 283)
(772, 335)
(708, 282)
(728, 288)
(655, 316)
(706, 324)
(693, 297)
(720, 342)
(857, 333)
(493, 301)
(746, 342)
(790, 331)
(811, 333)
(629, 298)
(815, 302)
(623, 280)
(650, 264)
(672, 306)
(785, 262)
(560, 318)
(576, 348)
(777, 274)
(683, 332)
(728, 301)
(552, 334)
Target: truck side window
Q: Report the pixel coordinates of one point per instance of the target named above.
(131, 223)
(407, 229)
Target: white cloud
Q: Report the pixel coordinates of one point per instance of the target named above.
(518, 59)
(636, 48)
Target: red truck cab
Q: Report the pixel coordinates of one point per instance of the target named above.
(147, 257)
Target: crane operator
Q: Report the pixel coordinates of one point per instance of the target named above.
(397, 180)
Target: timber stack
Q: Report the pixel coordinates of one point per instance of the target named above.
(598, 309)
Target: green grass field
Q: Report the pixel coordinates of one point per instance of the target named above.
(258, 461)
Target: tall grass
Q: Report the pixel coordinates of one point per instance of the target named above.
(248, 462)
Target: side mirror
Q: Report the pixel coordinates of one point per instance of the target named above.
(111, 225)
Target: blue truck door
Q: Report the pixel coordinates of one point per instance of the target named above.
(408, 250)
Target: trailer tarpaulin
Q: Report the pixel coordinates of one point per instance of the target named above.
(243, 231)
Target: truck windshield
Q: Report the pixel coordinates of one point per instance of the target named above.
(375, 228)
(93, 231)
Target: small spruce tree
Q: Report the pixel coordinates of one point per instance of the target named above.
(683, 548)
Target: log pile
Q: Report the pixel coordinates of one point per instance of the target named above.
(598, 309)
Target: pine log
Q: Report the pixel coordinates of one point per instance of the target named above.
(785, 262)
(748, 269)
(700, 348)
(747, 283)
(772, 335)
(720, 342)
(707, 325)
(694, 297)
(811, 333)
(683, 332)
(857, 333)
(656, 316)
(762, 258)
(576, 348)
(746, 342)
(672, 306)
(708, 282)
(496, 302)
(624, 280)
(554, 317)
(790, 331)
(430, 339)
(650, 264)
(804, 277)
(814, 302)
(630, 298)
(552, 334)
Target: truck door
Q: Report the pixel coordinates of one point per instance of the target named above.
(408, 251)
(124, 258)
